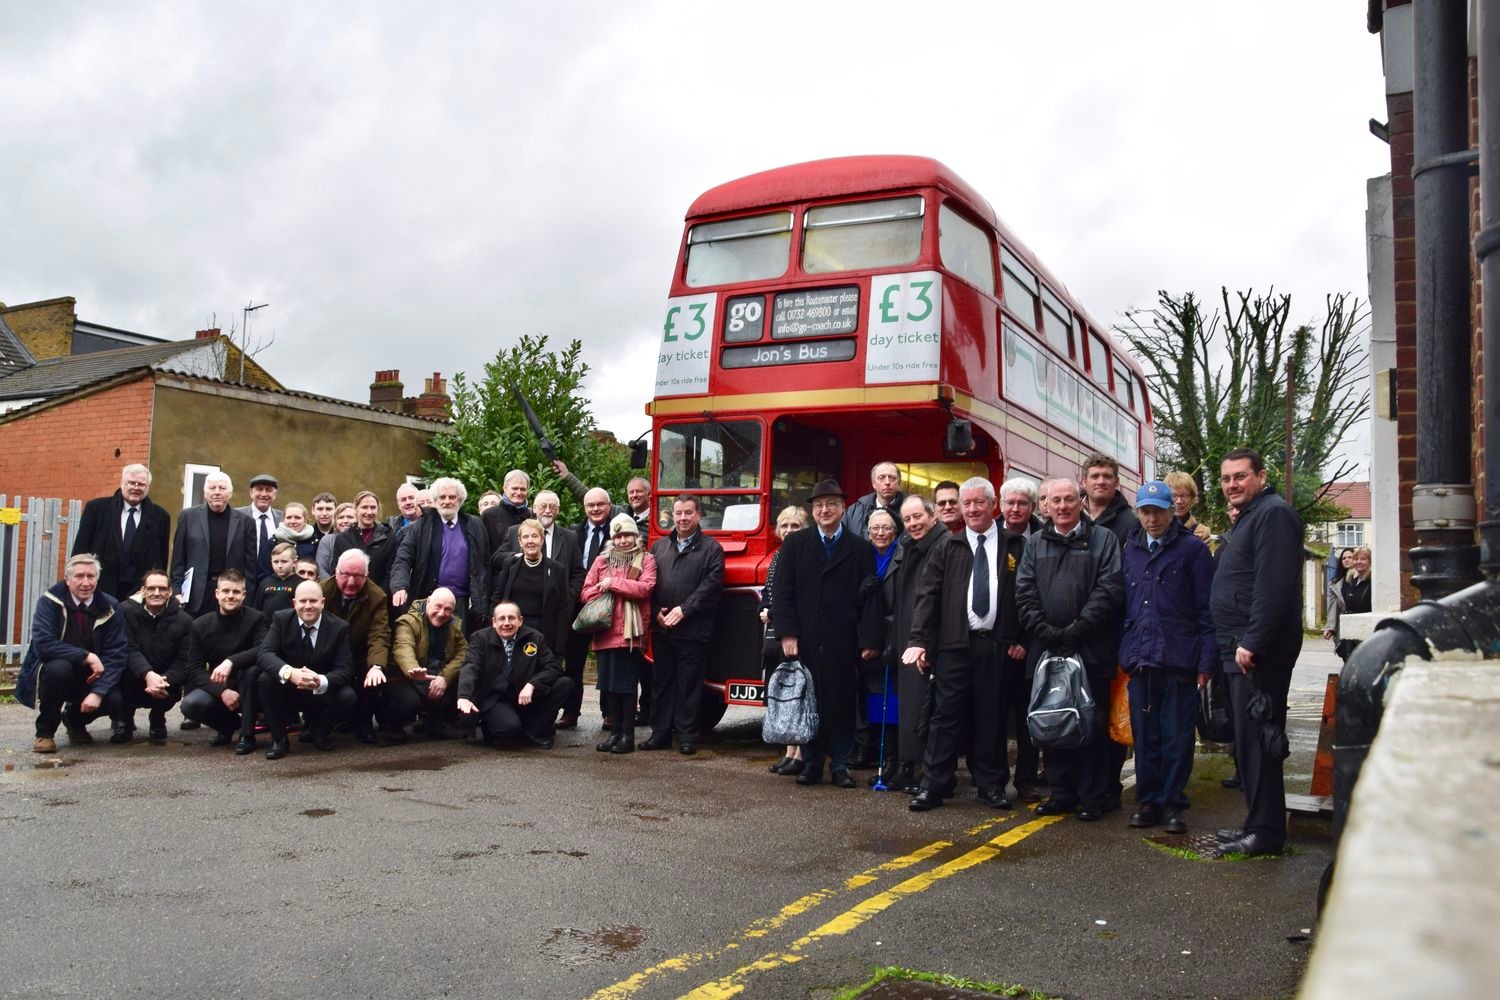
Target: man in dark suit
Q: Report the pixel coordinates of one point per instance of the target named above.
(210, 538)
(829, 614)
(964, 628)
(305, 665)
(510, 682)
(558, 542)
(126, 531)
(591, 535)
(444, 548)
(689, 580)
(511, 510)
(354, 597)
(264, 517)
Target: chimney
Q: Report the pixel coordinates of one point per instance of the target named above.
(208, 334)
(434, 400)
(385, 391)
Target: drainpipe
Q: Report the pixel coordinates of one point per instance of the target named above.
(1444, 559)
(1487, 253)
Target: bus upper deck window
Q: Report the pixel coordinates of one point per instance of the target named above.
(748, 249)
(862, 234)
(965, 249)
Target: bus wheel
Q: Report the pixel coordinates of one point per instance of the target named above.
(711, 710)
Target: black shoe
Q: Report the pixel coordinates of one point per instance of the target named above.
(608, 744)
(904, 776)
(1028, 793)
(924, 800)
(1147, 815)
(643, 718)
(994, 798)
(841, 778)
(776, 767)
(1231, 833)
(688, 749)
(222, 739)
(795, 768)
(625, 744)
(540, 742)
(321, 741)
(158, 734)
(366, 735)
(658, 743)
(861, 760)
(304, 735)
(1052, 807)
(1233, 781)
(1172, 822)
(1252, 844)
(244, 745)
(810, 777)
(188, 725)
(278, 750)
(1091, 814)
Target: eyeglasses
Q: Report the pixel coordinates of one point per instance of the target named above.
(945, 503)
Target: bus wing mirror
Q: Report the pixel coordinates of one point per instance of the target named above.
(960, 437)
(638, 454)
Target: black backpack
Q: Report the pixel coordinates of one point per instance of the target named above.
(1062, 713)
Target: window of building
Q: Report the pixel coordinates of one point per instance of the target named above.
(192, 483)
(1350, 534)
(862, 234)
(749, 249)
(1019, 288)
(965, 249)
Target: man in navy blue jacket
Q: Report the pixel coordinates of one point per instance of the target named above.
(1257, 609)
(78, 652)
(1167, 644)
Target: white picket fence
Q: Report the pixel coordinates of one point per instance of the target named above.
(34, 543)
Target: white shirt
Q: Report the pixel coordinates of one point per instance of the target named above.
(991, 549)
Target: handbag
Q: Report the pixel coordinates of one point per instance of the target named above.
(596, 615)
(1215, 724)
(1119, 708)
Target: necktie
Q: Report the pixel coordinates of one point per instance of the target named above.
(981, 581)
(510, 646)
(129, 534)
(265, 533)
(828, 541)
(307, 642)
(595, 543)
(1152, 546)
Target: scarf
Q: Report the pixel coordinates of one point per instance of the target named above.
(632, 560)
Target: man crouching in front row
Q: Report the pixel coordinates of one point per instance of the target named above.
(510, 681)
(306, 665)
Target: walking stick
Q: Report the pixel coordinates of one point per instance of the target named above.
(885, 701)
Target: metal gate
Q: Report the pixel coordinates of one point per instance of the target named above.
(34, 543)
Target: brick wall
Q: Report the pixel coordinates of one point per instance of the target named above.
(76, 450)
(46, 328)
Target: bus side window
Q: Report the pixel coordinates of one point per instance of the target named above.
(965, 249)
(1019, 289)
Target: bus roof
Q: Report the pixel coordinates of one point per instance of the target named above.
(832, 178)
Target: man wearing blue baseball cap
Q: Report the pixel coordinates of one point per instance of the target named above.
(1168, 647)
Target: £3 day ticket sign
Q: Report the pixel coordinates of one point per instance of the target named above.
(903, 339)
(687, 336)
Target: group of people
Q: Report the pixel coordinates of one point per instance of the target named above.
(946, 605)
(309, 618)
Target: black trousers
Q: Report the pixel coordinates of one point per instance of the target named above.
(1015, 700)
(400, 702)
(677, 686)
(573, 663)
(133, 697)
(1264, 786)
(837, 689)
(324, 711)
(914, 693)
(59, 681)
(504, 720)
(1081, 775)
(966, 695)
(201, 705)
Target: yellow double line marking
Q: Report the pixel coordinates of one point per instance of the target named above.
(842, 924)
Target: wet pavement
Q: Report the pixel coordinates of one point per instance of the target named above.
(449, 869)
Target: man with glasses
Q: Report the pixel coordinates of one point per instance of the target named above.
(126, 531)
(945, 504)
(159, 632)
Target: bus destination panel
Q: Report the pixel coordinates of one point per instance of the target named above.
(806, 353)
(815, 312)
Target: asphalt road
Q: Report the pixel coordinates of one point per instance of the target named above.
(453, 870)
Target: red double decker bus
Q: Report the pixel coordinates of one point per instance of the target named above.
(830, 315)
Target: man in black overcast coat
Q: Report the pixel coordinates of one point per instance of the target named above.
(129, 514)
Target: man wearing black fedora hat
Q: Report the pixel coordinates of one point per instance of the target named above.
(829, 614)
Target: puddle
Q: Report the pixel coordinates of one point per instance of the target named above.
(469, 855)
(654, 819)
(388, 788)
(60, 802)
(421, 762)
(44, 764)
(571, 854)
(578, 947)
(318, 813)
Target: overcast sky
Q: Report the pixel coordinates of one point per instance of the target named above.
(413, 186)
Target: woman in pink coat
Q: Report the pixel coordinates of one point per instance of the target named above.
(626, 570)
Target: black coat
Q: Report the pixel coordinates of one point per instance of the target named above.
(830, 604)
(1119, 518)
(1070, 592)
(331, 656)
(1257, 592)
(940, 603)
(381, 550)
(557, 599)
(215, 638)
(564, 549)
(485, 678)
(158, 643)
(190, 552)
(99, 533)
(692, 580)
(414, 571)
(500, 519)
(899, 588)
